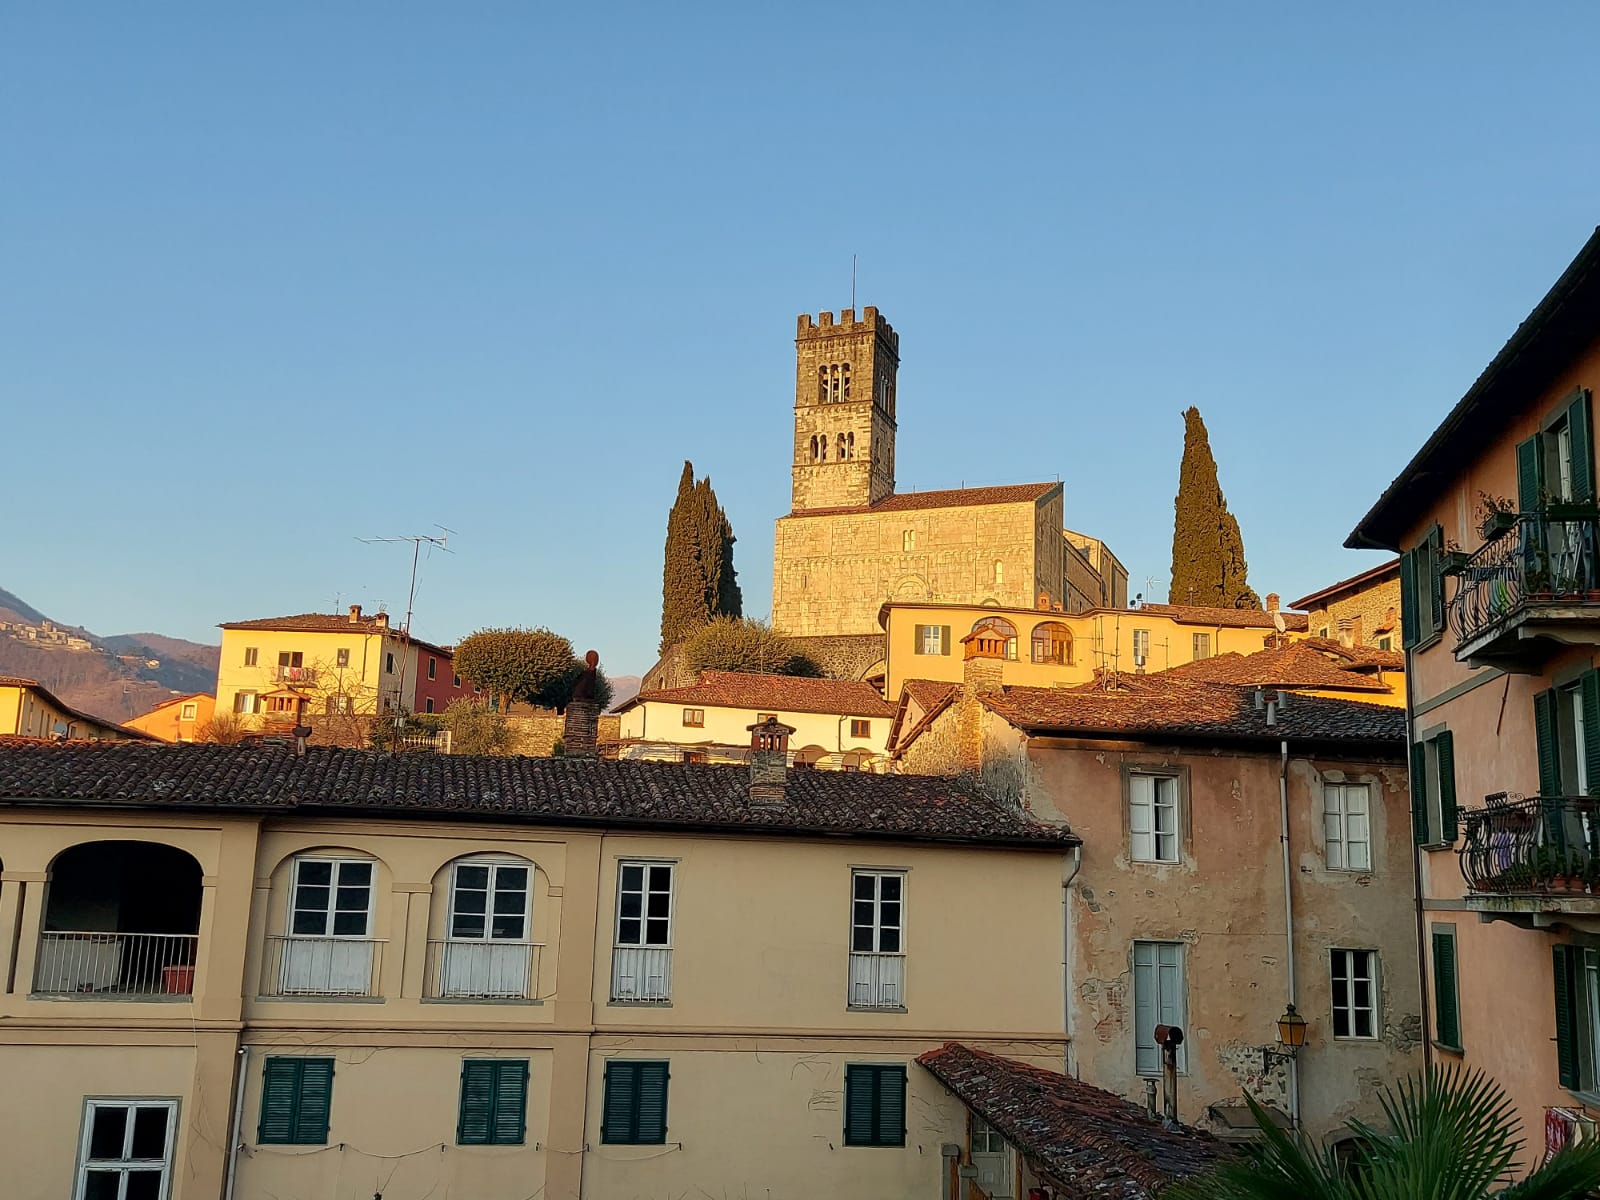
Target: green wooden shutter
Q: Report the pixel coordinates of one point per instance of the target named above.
(1582, 446)
(510, 1123)
(1544, 732)
(1408, 599)
(475, 1120)
(1566, 1016)
(1530, 473)
(944, 639)
(280, 1101)
(316, 1101)
(651, 1106)
(860, 1104)
(891, 1106)
(1419, 794)
(1447, 1017)
(1590, 750)
(617, 1122)
(1435, 581)
(1449, 817)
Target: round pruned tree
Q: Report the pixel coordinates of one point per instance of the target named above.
(748, 645)
(530, 665)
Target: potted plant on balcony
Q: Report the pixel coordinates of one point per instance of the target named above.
(1591, 873)
(1497, 516)
(1516, 878)
(1544, 869)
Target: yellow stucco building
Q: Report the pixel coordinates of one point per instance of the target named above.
(851, 542)
(235, 970)
(29, 710)
(180, 719)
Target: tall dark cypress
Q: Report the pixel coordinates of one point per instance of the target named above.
(1208, 564)
(698, 580)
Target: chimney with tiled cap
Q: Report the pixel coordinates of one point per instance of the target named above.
(769, 763)
(381, 621)
(580, 735)
(1272, 601)
(355, 614)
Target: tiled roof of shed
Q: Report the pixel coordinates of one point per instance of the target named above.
(774, 693)
(1227, 618)
(556, 791)
(1297, 665)
(1360, 657)
(1089, 1142)
(1017, 493)
(932, 696)
(1162, 706)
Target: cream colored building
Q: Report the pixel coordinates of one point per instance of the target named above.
(1051, 649)
(28, 709)
(503, 978)
(851, 542)
(1363, 610)
(837, 724)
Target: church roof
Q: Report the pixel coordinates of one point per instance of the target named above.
(1017, 493)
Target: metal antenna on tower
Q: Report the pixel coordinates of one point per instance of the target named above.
(417, 541)
(852, 283)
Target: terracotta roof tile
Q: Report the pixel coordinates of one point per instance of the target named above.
(1297, 665)
(1371, 575)
(774, 693)
(1227, 618)
(1089, 1142)
(1160, 705)
(1019, 493)
(1361, 657)
(22, 682)
(332, 623)
(330, 781)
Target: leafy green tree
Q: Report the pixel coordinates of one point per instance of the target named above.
(745, 644)
(531, 665)
(475, 728)
(1452, 1135)
(1208, 564)
(698, 581)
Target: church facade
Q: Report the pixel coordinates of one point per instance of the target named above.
(850, 543)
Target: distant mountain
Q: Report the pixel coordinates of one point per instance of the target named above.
(113, 679)
(624, 688)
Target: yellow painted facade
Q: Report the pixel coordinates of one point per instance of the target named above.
(823, 739)
(757, 1031)
(181, 719)
(29, 710)
(1099, 639)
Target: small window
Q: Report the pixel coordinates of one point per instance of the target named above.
(634, 1110)
(337, 704)
(762, 718)
(1052, 643)
(291, 658)
(874, 1104)
(1422, 590)
(908, 540)
(1386, 642)
(1322, 632)
(341, 658)
(1141, 646)
(456, 682)
(126, 1149)
(388, 663)
(1153, 818)
(999, 573)
(1446, 994)
(427, 704)
(1434, 816)
(1355, 993)
(878, 915)
(860, 729)
(1158, 999)
(694, 718)
(189, 712)
(1346, 826)
(1577, 984)
(433, 666)
(296, 1101)
(244, 702)
(251, 656)
(494, 1102)
(644, 904)
(933, 639)
(1201, 645)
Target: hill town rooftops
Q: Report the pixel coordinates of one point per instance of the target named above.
(1298, 665)
(1227, 618)
(599, 794)
(773, 693)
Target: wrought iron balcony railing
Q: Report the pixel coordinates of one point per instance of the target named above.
(1539, 846)
(90, 964)
(1542, 557)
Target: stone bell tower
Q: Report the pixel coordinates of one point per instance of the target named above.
(844, 410)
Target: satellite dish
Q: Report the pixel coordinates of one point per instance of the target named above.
(1277, 622)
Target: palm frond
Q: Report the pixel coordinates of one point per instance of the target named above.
(1281, 1166)
(1570, 1175)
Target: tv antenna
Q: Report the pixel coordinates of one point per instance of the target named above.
(417, 540)
(852, 283)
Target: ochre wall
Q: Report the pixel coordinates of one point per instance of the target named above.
(657, 722)
(167, 723)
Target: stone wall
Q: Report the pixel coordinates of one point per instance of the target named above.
(537, 733)
(844, 395)
(1365, 616)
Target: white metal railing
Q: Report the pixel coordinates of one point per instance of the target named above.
(81, 963)
(877, 980)
(482, 970)
(299, 965)
(641, 974)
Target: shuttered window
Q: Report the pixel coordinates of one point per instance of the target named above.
(494, 1102)
(1566, 981)
(932, 639)
(1435, 816)
(296, 1099)
(1566, 729)
(1557, 463)
(1422, 590)
(634, 1111)
(874, 1104)
(1158, 999)
(1446, 993)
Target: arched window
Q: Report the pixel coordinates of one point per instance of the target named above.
(822, 385)
(328, 948)
(487, 950)
(850, 445)
(999, 573)
(841, 448)
(822, 447)
(1002, 627)
(844, 372)
(1052, 643)
(833, 383)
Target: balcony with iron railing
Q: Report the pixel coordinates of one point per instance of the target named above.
(1531, 857)
(641, 974)
(1534, 584)
(340, 968)
(88, 965)
(482, 970)
(288, 674)
(877, 981)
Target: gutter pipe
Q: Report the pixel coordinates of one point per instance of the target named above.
(1288, 916)
(235, 1129)
(1067, 1055)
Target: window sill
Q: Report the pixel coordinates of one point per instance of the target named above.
(1432, 641)
(513, 1001)
(1353, 1039)
(1438, 1045)
(876, 1008)
(320, 1000)
(875, 1145)
(615, 1003)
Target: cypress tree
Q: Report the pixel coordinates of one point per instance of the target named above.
(698, 581)
(1208, 564)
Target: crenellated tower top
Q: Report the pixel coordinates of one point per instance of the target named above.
(844, 409)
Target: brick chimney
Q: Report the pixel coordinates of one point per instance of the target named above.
(981, 675)
(769, 763)
(355, 614)
(580, 733)
(381, 621)
(1272, 601)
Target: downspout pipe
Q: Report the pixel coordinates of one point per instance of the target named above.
(236, 1126)
(1416, 884)
(1076, 865)
(1288, 915)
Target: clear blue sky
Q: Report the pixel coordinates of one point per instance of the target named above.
(278, 279)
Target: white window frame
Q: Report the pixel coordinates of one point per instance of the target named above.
(246, 703)
(1351, 959)
(1175, 1006)
(1141, 644)
(123, 1165)
(252, 655)
(1145, 832)
(908, 541)
(495, 864)
(877, 926)
(647, 865)
(337, 863)
(189, 711)
(1340, 824)
(1195, 645)
(700, 723)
